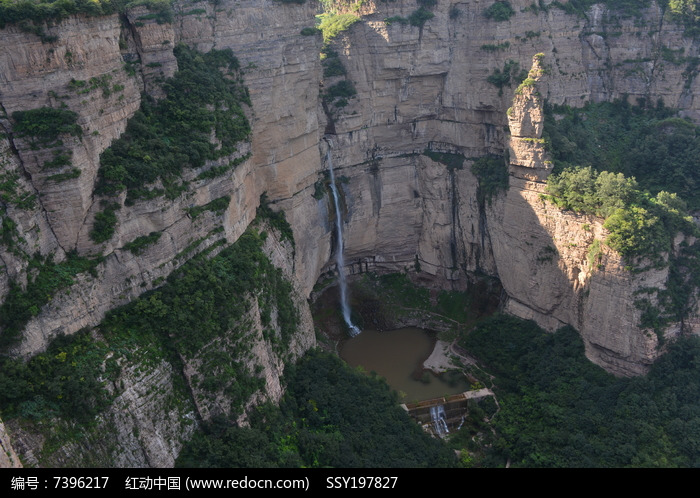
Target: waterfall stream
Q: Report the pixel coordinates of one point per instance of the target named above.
(340, 259)
(439, 418)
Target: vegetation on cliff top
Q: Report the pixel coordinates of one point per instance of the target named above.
(20, 12)
(17, 11)
(631, 158)
(640, 225)
(166, 136)
(337, 16)
(608, 157)
(650, 144)
(684, 12)
(331, 25)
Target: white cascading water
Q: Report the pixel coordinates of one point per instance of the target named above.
(439, 418)
(340, 260)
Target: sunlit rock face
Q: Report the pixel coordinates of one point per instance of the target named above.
(418, 88)
(429, 88)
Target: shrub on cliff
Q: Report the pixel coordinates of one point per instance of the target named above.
(492, 173)
(309, 31)
(510, 74)
(420, 17)
(333, 24)
(499, 11)
(330, 60)
(44, 125)
(103, 226)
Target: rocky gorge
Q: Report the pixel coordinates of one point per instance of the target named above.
(423, 111)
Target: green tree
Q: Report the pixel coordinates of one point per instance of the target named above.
(613, 191)
(635, 231)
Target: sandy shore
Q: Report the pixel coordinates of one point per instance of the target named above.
(442, 358)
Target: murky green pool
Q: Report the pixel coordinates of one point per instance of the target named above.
(398, 356)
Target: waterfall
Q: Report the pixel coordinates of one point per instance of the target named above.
(340, 259)
(461, 423)
(438, 416)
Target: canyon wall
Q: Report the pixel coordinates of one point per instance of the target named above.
(118, 62)
(131, 55)
(425, 111)
(427, 87)
(546, 257)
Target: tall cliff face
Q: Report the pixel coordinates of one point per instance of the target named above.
(154, 390)
(98, 68)
(418, 87)
(446, 86)
(546, 257)
(431, 99)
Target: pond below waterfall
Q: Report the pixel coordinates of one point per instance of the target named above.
(398, 356)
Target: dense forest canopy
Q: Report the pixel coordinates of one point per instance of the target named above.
(648, 143)
(557, 409)
(330, 416)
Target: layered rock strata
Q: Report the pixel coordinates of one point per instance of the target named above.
(418, 88)
(124, 59)
(446, 86)
(544, 255)
(148, 419)
(424, 93)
